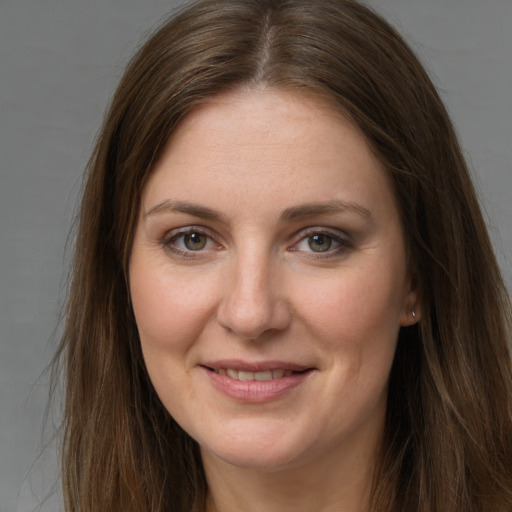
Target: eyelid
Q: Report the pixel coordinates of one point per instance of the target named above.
(343, 240)
(174, 234)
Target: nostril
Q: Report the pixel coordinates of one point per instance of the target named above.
(249, 319)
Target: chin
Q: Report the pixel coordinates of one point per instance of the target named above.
(268, 461)
(255, 448)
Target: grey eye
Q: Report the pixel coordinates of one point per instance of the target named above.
(320, 242)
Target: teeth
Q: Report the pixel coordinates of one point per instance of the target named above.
(263, 375)
(245, 375)
(248, 376)
(232, 373)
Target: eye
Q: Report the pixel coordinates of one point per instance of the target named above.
(195, 241)
(188, 241)
(322, 243)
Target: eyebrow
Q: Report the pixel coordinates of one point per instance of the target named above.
(195, 210)
(313, 209)
(293, 213)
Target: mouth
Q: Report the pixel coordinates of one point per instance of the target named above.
(256, 382)
(261, 376)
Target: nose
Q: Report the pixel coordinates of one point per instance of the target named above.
(254, 303)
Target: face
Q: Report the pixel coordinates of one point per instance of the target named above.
(269, 280)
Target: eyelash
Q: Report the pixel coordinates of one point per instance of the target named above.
(169, 242)
(343, 243)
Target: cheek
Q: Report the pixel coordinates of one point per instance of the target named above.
(170, 308)
(356, 307)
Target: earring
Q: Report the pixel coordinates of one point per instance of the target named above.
(413, 313)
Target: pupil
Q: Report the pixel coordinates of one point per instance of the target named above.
(319, 243)
(195, 241)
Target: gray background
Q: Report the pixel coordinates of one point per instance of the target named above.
(59, 63)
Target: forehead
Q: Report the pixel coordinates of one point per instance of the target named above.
(267, 116)
(293, 146)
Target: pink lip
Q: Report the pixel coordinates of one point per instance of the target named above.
(261, 366)
(255, 391)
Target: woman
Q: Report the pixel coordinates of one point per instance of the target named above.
(284, 296)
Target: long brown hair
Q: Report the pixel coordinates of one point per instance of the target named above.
(448, 437)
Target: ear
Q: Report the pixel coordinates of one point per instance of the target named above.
(411, 304)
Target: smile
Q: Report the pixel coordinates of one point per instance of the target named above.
(256, 382)
(259, 376)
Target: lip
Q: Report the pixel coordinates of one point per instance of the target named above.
(255, 391)
(259, 366)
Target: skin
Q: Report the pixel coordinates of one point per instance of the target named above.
(252, 285)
